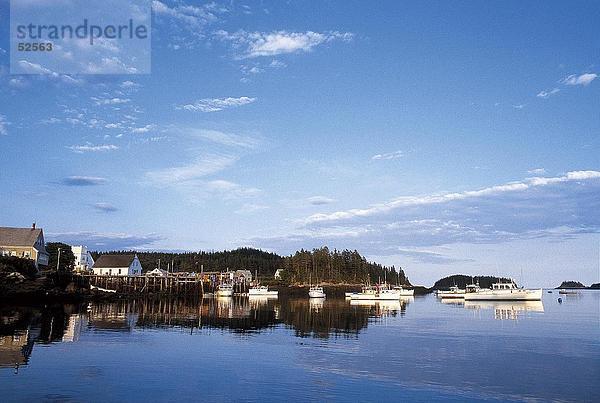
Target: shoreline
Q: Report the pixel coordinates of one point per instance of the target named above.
(40, 290)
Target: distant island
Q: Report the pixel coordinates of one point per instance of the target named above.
(577, 285)
(571, 284)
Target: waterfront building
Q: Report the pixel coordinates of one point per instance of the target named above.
(117, 265)
(24, 243)
(83, 259)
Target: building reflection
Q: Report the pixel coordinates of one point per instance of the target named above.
(21, 328)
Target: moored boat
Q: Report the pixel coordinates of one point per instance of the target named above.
(316, 292)
(504, 292)
(261, 291)
(453, 292)
(404, 292)
(379, 292)
(225, 290)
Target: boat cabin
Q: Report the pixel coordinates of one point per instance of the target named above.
(504, 286)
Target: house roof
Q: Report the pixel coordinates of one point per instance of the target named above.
(19, 236)
(114, 261)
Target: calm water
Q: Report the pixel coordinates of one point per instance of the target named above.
(241, 349)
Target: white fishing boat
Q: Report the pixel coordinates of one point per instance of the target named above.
(225, 290)
(316, 292)
(262, 291)
(379, 292)
(504, 292)
(453, 292)
(404, 292)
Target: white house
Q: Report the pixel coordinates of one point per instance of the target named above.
(117, 265)
(278, 273)
(25, 243)
(83, 258)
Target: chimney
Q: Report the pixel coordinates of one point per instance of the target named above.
(33, 226)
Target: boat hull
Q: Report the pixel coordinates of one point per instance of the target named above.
(316, 294)
(224, 293)
(260, 293)
(455, 295)
(505, 295)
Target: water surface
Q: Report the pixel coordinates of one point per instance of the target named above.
(417, 349)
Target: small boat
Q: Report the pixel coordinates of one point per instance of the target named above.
(453, 292)
(568, 292)
(349, 294)
(225, 290)
(504, 292)
(261, 291)
(379, 292)
(316, 292)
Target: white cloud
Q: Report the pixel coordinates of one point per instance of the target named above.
(229, 190)
(34, 68)
(583, 79)
(110, 101)
(88, 147)
(411, 202)
(388, 156)
(129, 85)
(198, 169)
(192, 16)
(110, 65)
(105, 241)
(216, 104)
(3, 125)
(227, 139)
(277, 64)
(519, 106)
(553, 208)
(18, 82)
(548, 93)
(257, 44)
(537, 171)
(50, 121)
(143, 129)
(187, 24)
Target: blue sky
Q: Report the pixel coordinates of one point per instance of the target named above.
(442, 137)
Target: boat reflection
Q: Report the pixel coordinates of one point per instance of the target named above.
(507, 310)
(23, 327)
(384, 308)
(452, 301)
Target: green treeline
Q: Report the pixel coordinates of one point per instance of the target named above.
(243, 258)
(323, 265)
(318, 265)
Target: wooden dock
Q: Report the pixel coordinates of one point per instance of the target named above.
(139, 285)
